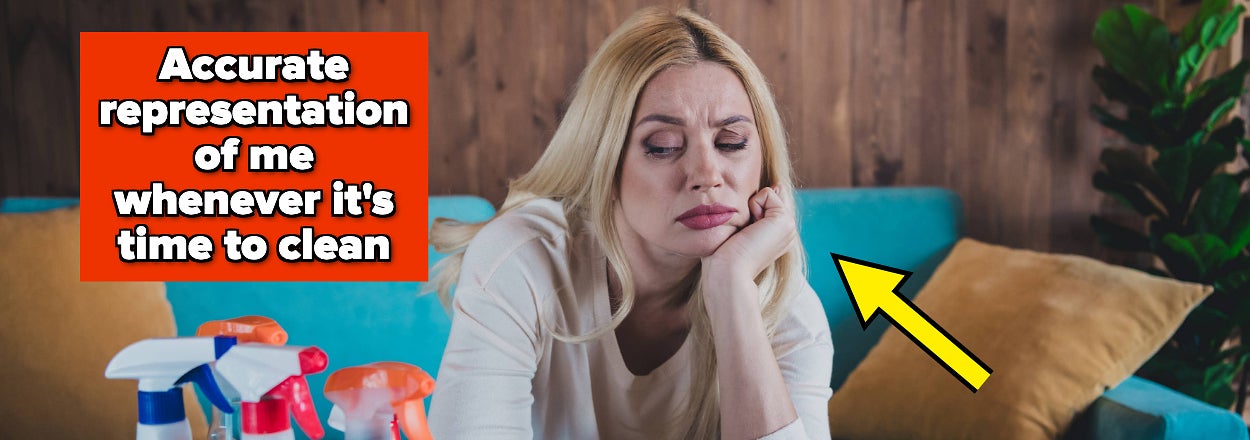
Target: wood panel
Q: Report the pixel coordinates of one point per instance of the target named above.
(40, 155)
(988, 98)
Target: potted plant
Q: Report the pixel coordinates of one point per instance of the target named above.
(1196, 215)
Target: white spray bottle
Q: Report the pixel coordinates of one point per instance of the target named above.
(271, 385)
(231, 332)
(162, 365)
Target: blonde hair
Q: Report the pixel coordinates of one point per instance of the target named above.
(594, 131)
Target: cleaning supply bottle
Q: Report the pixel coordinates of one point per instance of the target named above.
(230, 332)
(162, 365)
(272, 389)
(376, 400)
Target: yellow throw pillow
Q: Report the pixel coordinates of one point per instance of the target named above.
(60, 333)
(1057, 330)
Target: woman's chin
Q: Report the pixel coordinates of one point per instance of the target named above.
(703, 243)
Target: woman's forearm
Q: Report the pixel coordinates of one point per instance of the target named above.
(754, 401)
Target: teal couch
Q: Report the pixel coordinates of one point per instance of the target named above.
(909, 228)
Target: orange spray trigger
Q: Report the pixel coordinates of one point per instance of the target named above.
(371, 396)
(246, 329)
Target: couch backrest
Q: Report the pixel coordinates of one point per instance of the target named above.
(362, 322)
(907, 228)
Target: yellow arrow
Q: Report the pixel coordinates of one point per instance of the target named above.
(873, 289)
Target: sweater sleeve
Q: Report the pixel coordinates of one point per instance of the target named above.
(484, 387)
(804, 350)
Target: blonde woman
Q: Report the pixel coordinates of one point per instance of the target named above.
(644, 279)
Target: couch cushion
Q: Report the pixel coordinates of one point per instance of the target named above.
(60, 333)
(1057, 330)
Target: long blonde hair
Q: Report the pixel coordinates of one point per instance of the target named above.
(594, 131)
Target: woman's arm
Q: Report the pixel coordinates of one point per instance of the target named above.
(775, 389)
(753, 398)
(485, 380)
(762, 386)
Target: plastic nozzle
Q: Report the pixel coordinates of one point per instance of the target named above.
(246, 329)
(313, 360)
(394, 387)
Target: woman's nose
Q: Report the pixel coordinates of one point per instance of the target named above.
(703, 167)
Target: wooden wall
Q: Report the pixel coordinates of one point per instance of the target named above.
(986, 97)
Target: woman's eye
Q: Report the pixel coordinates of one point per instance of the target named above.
(662, 144)
(654, 151)
(731, 144)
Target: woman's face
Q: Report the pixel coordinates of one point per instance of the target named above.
(692, 160)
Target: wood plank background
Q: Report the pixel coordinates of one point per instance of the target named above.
(986, 97)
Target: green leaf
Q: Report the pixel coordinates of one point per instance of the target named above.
(1238, 231)
(1130, 131)
(1203, 333)
(1131, 41)
(1127, 165)
(1235, 283)
(1217, 89)
(1217, 382)
(1209, 101)
(1189, 63)
(1190, 33)
(1180, 257)
(1209, 29)
(1118, 88)
(1172, 166)
(1207, 158)
(1195, 255)
(1219, 391)
(1163, 121)
(1229, 134)
(1119, 237)
(1226, 28)
(1219, 113)
(1216, 203)
(1212, 249)
(1127, 193)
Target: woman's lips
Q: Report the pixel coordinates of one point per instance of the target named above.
(706, 216)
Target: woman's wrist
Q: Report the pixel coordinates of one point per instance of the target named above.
(729, 296)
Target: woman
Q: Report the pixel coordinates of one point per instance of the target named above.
(644, 279)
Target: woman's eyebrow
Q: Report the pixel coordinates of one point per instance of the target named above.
(661, 118)
(673, 120)
(733, 119)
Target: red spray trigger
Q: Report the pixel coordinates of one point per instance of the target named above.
(299, 401)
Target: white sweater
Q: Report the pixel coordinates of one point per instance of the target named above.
(504, 376)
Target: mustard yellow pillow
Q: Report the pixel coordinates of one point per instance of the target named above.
(59, 334)
(1057, 330)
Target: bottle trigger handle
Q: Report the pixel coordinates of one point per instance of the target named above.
(299, 399)
(202, 376)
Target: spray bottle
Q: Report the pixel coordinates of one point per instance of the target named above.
(162, 365)
(230, 332)
(272, 389)
(375, 400)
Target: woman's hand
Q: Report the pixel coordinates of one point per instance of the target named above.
(752, 249)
